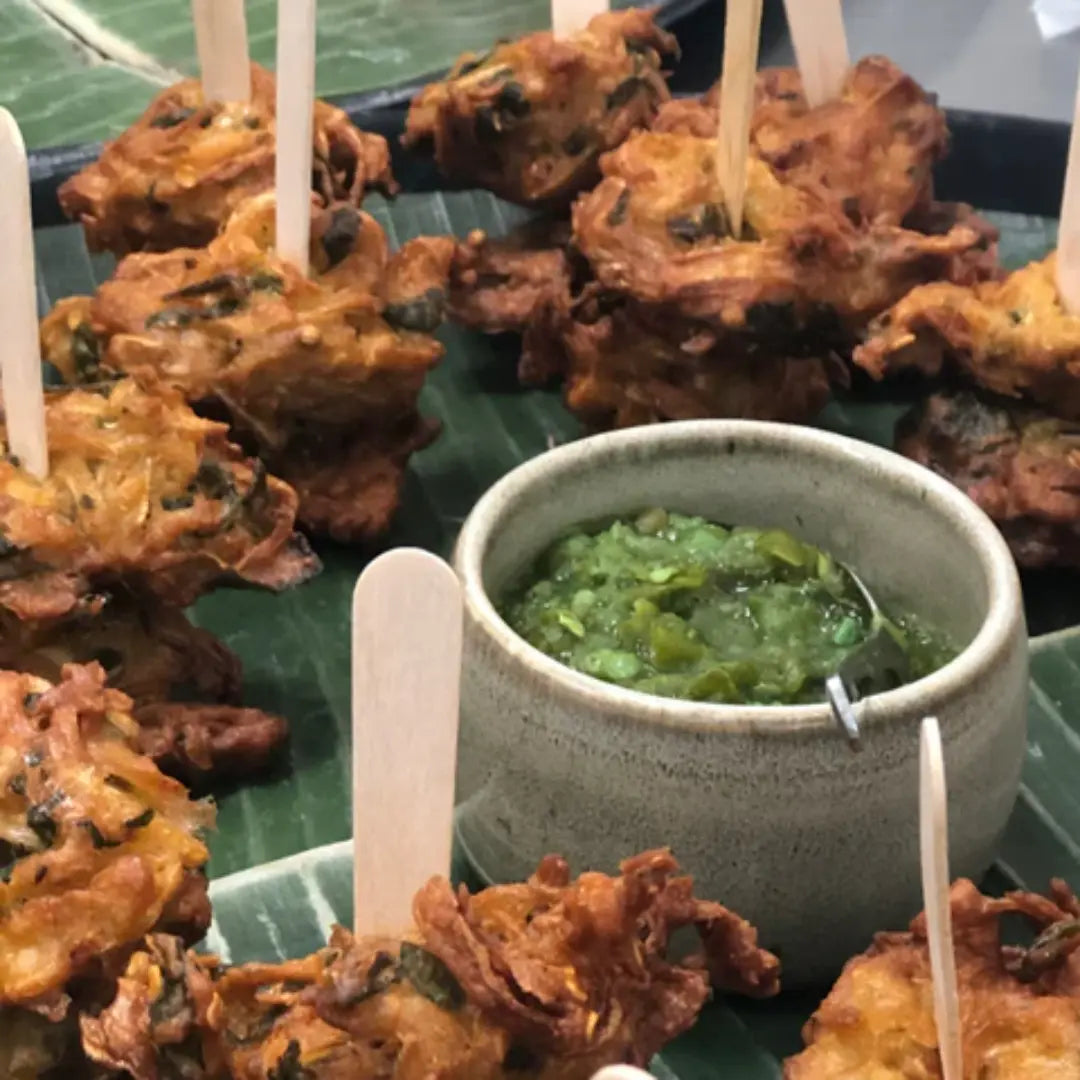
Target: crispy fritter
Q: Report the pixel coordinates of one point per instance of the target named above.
(508, 284)
(310, 371)
(1019, 1009)
(627, 363)
(520, 284)
(1011, 337)
(629, 367)
(184, 682)
(555, 976)
(177, 174)
(96, 845)
(1017, 463)
(354, 492)
(871, 150)
(146, 507)
(162, 1020)
(144, 493)
(655, 227)
(529, 119)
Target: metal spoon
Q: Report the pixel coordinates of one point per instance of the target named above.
(878, 664)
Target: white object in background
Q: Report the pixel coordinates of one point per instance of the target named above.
(1056, 17)
(570, 16)
(742, 34)
(20, 351)
(821, 48)
(621, 1072)
(406, 675)
(295, 109)
(934, 854)
(1068, 249)
(222, 44)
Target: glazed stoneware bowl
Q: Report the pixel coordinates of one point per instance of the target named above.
(766, 806)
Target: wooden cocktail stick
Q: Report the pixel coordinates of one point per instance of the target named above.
(295, 109)
(1068, 250)
(570, 16)
(934, 854)
(821, 48)
(406, 673)
(222, 44)
(20, 351)
(742, 33)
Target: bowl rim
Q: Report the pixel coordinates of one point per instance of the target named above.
(988, 546)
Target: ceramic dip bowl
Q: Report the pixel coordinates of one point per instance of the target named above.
(766, 806)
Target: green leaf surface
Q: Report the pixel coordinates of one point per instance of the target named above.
(57, 90)
(64, 92)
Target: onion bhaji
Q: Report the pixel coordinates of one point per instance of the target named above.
(145, 508)
(653, 311)
(655, 227)
(1012, 337)
(319, 374)
(871, 150)
(178, 173)
(553, 976)
(97, 848)
(529, 119)
(1018, 1006)
(1020, 465)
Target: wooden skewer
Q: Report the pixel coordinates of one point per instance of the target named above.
(934, 853)
(20, 351)
(295, 109)
(821, 48)
(742, 32)
(406, 671)
(222, 44)
(1068, 250)
(572, 16)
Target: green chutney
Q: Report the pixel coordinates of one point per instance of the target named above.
(684, 608)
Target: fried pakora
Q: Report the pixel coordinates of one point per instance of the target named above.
(1012, 337)
(871, 150)
(655, 227)
(555, 976)
(144, 493)
(529, 119)
(318, 374)
(552, 976)
(653, 311)
(624, 367)
(97, 847)
(1020, 465)
(177, 174)
(1018, 1006)
(145, 508)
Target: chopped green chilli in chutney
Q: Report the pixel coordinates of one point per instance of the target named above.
(680, 607)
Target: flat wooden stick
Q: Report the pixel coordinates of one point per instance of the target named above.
(295, 108)
(568, 17)
(821, 48)
(934, 853)
(20, 351)
(1068, 250)
(742, 32)
(222, 43)
(406, 671)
